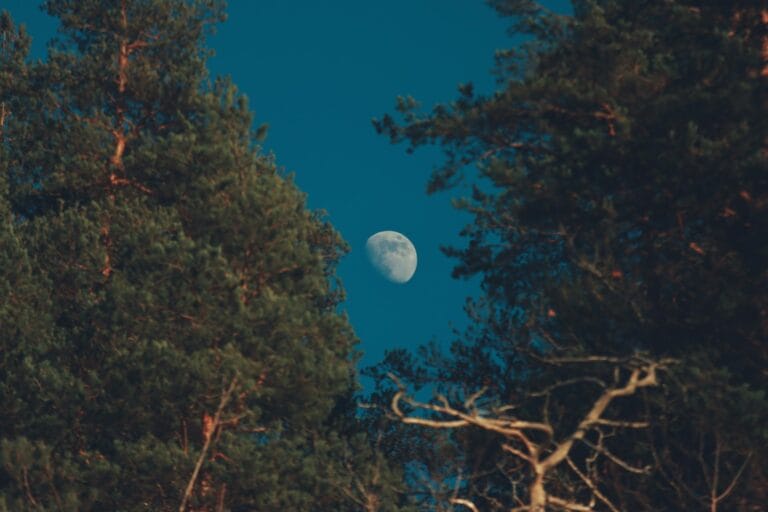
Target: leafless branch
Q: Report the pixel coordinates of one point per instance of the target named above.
(622, 424)
(591, 485)
(732, 485)
(502, 426)
(466, 503)
(225, 398)
(540, 456)
(567, 505)
(599, 448)
(469, 403)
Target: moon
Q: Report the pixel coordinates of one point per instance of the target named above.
(393, 255)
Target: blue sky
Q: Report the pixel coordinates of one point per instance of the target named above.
(317, 72)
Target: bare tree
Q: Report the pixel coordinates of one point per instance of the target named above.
(720, 469)
(540, 445)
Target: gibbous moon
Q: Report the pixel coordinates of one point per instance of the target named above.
(393, 255)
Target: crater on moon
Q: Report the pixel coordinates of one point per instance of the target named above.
(393, 255)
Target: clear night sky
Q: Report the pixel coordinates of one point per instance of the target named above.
(317, 72)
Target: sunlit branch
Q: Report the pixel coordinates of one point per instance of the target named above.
(225, 398)
(466, 503)
(542, 456)
(588, 481)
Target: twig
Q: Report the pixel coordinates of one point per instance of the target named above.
(599, 448)
(591, 485)
(716, 499)
(27, 487)
(466, 503)
(569, 505)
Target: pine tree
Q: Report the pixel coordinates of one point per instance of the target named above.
(31, 380)
(190, 296)
(623, 210)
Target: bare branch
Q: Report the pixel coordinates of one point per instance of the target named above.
(603, 450)
(514, 451)
(639, 378)
(423, 421)
(225, 397)
(591, 485)
(732, 485)
(469, 403)
(622, 424)
(502, 426)
(559, 361)
(466, 503)
(539, 455)
(569, 505)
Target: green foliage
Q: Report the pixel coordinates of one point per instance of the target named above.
(150, 258)
(622, 206)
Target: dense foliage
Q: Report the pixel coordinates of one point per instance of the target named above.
(169, 331)
(622, 209)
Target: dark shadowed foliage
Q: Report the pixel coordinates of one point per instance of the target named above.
(620, 208)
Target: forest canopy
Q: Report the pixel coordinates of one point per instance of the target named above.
(170, 332)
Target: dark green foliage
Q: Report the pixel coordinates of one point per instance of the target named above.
(151, 258)
(623, 207)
